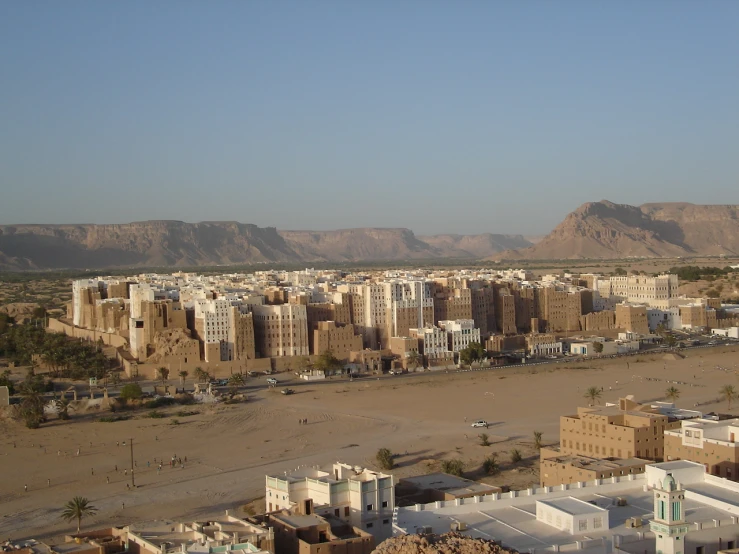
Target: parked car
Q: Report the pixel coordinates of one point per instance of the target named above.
(287, 391)
(271, 381)
(480, 423)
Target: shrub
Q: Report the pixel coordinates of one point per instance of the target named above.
(484, 439)
(185, 413)
(490, 465)
(159, 402)
(385, 458)
(131, 391)
(112, 419)
(452, 467)
(155, 415)
(516, 456)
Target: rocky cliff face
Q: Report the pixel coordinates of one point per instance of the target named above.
(607, 230)
(180, 244)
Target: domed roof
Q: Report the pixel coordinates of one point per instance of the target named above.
(668, 484)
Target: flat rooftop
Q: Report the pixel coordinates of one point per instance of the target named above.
(448, 483)
(511, 520)
(572, 506)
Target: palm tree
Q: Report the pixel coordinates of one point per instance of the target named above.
(537, 440)
(593, 394)
(77, 508)
(163, 374)
(62, 408)
(672, 393)
(414, 359)
(201, 375)
(728, 393)
(235, 381)
(183, 375)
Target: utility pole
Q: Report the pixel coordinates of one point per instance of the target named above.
(133, 483)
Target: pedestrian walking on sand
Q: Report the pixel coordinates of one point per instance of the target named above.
(117, 443)
(48, 482)
(125, 472)
(148, 464)
(116, 467)
(107, 480)
(185, 459)
(25, 488)
(123, 505)
(92, 471)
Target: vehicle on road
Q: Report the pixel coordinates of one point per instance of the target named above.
(271, 381)
(287, 391)
(480, 423)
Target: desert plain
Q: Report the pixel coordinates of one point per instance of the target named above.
(228, 449)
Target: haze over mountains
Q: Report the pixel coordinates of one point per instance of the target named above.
(595, 230)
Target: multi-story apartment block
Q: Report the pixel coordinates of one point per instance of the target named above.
(337, 338)
(281, 330)
(452, 304)
(632, 318)
(460, 333)
(505, 312)
(362, 498)
(483, 308)
(433, 343)
(711, 443)
(213, 328)
(652, 291)
(628, 430)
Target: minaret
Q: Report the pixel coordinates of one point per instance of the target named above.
(669, 524)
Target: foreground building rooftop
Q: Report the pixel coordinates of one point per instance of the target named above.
(511, 518)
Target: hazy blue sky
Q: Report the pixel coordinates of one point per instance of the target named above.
(442, 116)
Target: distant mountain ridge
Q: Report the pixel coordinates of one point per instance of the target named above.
(607, 230)
(180, 244)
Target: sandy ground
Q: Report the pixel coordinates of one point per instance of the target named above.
(229, 449)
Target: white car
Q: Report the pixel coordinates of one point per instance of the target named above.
(480, 423)
(271, 381)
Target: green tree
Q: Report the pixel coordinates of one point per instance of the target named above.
(672, 393)
(598, 347)
(78, 508)
(484, 439)
(6, 382)
(201, 375)
(414, 359)
(452, 467)
(473, 353)
(235, 381)
(516, 456)
(183, 376)
(303, 364)
(670, 341)
(537, 440)
(327, 362)
(32, 408)
(131, 391)
(163, 375)
(593, 394)
(728, 393)
(385, 458)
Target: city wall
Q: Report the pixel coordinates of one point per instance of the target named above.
(111, 339)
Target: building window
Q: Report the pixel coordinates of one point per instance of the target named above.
(597, 522)
(369, 507)
(385, 521)
(369, 526)
(384, 503)
(346, 511)
(583, 525)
